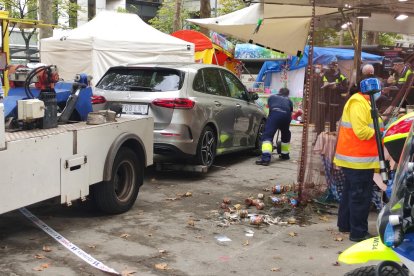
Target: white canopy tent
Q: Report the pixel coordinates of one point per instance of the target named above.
(111, 39)
(284, 27)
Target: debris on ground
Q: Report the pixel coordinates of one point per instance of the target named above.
(161, 266)
(276, 208)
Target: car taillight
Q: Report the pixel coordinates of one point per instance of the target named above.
(179, 103)
(98, 99)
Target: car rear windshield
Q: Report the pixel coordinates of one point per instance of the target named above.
(142, 79)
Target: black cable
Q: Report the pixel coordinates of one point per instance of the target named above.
(29, 77)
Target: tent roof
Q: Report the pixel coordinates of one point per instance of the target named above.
(284, 27)
(200, 40)
(382, 12)
(114, 26)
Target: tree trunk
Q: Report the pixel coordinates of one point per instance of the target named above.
(205, 12)
(46, 14)
(177, 17)
(372, 38)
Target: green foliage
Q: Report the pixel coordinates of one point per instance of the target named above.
(163, 21)
(330, 37)
(388, 38)
(130, 9)
(228, 6)
(325, 37)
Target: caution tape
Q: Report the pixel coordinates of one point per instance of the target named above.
(70, 246)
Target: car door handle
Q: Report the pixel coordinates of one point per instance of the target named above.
(217, 103)
(238, 105)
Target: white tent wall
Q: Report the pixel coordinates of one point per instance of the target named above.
(111, 39)
(295, 82)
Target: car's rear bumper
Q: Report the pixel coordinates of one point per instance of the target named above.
(170, 151)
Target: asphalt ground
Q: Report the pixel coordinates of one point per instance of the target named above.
(177, 227)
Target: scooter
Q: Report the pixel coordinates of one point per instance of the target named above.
(395, 224)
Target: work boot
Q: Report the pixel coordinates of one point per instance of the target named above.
(262, 162)
(284, 156)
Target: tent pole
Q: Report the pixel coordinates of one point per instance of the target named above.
(306, 108)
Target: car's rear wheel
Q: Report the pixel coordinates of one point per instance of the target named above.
(258, 143)
(206, 148)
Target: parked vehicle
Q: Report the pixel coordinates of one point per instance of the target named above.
(199, 110)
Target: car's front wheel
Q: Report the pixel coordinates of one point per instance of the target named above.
(206, 148)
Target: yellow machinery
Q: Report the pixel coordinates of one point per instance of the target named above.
(6, 22)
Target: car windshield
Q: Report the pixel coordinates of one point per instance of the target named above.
(141, 79)
(403, 170)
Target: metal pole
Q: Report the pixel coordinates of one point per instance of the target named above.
(384, 165)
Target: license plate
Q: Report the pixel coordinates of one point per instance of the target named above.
(141, 109)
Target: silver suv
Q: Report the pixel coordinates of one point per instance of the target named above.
(199, 110)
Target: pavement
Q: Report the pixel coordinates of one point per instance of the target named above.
(177, 227)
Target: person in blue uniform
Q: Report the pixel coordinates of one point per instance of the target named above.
(280, 115)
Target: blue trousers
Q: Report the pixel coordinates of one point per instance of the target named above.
(356, 201)
(276, 120)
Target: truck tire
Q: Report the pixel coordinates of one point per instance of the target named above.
(118, 194)
(371, 271)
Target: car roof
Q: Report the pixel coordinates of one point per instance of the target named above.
(172, 65)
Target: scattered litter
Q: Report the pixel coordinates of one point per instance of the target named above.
(224, 206)
(190, 222)
(124, 236)
(291, 220)
(275, 269)
(172, 198)
(224, 258)
(243, 213)
(222, 238)
(46, 248)
(246, 243)
(237, 206)
(226, 200)
(249, 232)
(128, 272)
(39, 256)
(162, 251)
(161, 266)
(260, 196)
(187, 194)
(224, 224)
(324, 218)
(293, 234)
(91, 246)
(41, 267)
(336, 264)
(256, 219)
(338, 238)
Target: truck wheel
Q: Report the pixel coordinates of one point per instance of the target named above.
(371, 271)
(206, 149)
(119, 194)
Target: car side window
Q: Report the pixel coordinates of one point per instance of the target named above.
(235, 87)
(198, 83)
(213, 83)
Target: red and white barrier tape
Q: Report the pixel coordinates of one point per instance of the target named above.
(70, 246)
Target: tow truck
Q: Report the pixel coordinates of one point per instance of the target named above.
(45, 154)
(42, 156)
